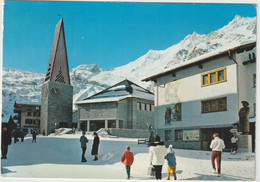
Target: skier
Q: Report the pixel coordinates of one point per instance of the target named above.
(83, 140)
(95, 145)
(6, 140)
(34, 136)
(127, 159)
(170, 157)
(217, 145)
(157, 153)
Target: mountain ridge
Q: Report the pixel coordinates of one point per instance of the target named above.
(25, 86)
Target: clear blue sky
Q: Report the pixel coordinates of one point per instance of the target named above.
(107, 34)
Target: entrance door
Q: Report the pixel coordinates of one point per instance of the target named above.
(207, 137)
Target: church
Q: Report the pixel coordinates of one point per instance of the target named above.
(57, 91)
(124, 105)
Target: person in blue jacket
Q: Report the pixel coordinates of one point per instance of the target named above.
(83, 140)
(170, 157)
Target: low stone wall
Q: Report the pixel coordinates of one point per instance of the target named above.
(129, 133)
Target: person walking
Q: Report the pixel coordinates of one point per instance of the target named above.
(34, 136)
(95, 145)
(5, 141)
(83, 140)
(21, 134)
(127, 159)
(217, 145)
(15, 134)
(234, 140)
(170, 157)
(157, 153)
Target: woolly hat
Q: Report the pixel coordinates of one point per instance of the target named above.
(157, 138)
(170, 149)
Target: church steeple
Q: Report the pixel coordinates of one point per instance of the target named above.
(58, 68)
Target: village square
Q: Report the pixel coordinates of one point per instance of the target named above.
(208, 98)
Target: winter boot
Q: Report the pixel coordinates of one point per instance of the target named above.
(95, 159)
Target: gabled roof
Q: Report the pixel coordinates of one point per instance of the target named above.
(119, 91)
(201, 59)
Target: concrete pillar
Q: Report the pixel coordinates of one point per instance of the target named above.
(88, 124)
(117, 123)
(106, 124)
(244, 143)
(78, 125)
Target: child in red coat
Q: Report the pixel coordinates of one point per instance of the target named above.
(127, 159)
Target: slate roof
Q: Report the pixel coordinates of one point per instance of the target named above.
(119, 91)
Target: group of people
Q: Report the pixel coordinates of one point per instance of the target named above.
(83, 140)
(6, 139)
(158, 153)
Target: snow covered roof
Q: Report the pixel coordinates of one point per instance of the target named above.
(119, 91)
(205, 57)
(108, 99)
(29, 103)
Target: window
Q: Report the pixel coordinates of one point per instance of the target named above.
(28, 121)
(178, 134)
(254, 80)
(167, 135)
(139, 106)
(214, 105)
(145, 107)
(213, 77)
(29, 113)
(177, 114)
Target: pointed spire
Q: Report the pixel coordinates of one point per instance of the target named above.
(58, 69)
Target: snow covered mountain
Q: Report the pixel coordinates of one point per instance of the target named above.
(25, 87)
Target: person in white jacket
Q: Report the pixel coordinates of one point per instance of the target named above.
(157, 153)
(217, 145)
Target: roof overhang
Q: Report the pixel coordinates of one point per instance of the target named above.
(201, 59)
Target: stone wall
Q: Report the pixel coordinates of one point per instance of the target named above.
(98, 111)
(56, 109)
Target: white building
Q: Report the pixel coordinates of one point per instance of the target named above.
(203, 95)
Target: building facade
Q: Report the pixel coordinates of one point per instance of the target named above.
(28, 116)
(203, 95)
(124, 105)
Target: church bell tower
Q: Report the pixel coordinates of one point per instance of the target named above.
(57, 92)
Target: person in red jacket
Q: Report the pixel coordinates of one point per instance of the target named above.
(127, 159)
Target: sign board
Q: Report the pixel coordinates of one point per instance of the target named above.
(191, 135)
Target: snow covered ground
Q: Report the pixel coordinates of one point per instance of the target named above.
(55, 157)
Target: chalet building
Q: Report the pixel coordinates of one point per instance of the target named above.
(27, 116)
(203, 95)
(123, 105)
